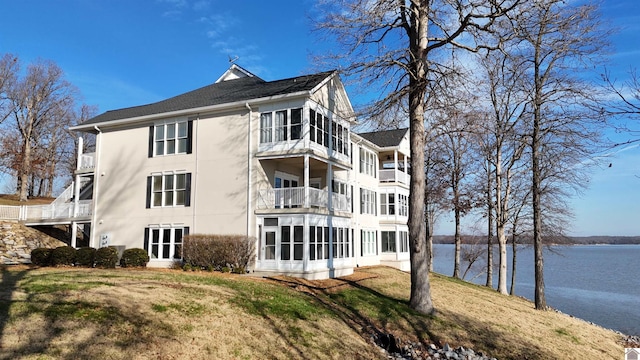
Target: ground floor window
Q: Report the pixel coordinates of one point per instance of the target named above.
(164, 243)
(404, 241)
(368, 243)
(388, 241)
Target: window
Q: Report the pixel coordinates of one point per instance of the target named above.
(404, 241)
(281, 125)
(319, 132)
(403, 205)
(368, 243)
(170, 138)
(388, 241)
(266, 128)
(169, 190)
(164, 243)
(367, 201)
(367, 162)
(387, 204)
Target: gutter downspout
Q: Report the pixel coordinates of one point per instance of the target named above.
(249, 172)
(96, 176)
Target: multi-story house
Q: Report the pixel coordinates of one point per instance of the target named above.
(274, 160)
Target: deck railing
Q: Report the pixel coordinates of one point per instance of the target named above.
(393, 175)
(294, 197)
(46, 212)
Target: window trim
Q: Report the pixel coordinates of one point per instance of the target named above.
(153, 141)
(172, 244)
(151, 190)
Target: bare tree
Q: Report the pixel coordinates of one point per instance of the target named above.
(557, 40)
(394, 46)
(627, 94)
(35, 101)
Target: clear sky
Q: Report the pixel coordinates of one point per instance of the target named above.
(123, 53)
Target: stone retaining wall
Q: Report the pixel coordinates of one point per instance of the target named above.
(17, 241)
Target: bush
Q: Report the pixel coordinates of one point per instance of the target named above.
(219, 251)
(63, 255)
(86, 257)
(41, 256)
(106, 257)
(134, 257)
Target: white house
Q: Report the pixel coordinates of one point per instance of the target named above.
(274, 160)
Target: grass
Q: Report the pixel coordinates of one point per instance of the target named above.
(168, 314)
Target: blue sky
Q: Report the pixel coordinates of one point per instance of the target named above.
(123, 53)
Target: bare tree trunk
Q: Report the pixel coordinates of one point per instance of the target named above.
(514, 251)
(419, 256)
(489, 282)
(458, 241)
(24, 170)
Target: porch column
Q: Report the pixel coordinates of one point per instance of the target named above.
(74, 233)
(329, 186)
(395, 165)
(306, 181)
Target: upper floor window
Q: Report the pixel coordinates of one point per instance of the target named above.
(166, 190)
(321, 129)
(367, 202)
(367, 162)
(403, 205)
(173, 137)
(281, 125)
(387, 204)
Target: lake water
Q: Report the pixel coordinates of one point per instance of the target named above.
(597, 283)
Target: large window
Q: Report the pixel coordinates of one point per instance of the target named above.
(404, 241)
(388, 241)
(368, 243)
(164, 243)
(367, 202)
(165, 190)
(281, 125)
(388, 204)
(170, 138)
(403, 205)
(367, 162)
(321, 129)
(319, 243)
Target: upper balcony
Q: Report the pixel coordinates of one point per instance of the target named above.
(303, 198)
(394, 176)
(86, 163)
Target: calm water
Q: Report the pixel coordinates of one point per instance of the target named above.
(598, 283)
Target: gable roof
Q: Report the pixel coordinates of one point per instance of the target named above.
(224, 92)
(385, 138)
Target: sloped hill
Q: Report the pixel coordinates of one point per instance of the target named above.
(17, 241)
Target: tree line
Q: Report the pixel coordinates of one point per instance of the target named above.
(37, 107)
(504, 106)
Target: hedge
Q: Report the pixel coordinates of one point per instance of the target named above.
(106, 257)
(41, 256)
(219, 251)
(63, 256)
(134, 257)
(86, 257)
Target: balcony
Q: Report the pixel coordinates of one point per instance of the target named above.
(86, 162)
(295, 198)
(63, 212)
(393, 175)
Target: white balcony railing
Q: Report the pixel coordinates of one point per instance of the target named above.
(46, 212)
(87, 161)
(294, 198)
(393, 175)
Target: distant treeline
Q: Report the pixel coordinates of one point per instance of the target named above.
(559, 240)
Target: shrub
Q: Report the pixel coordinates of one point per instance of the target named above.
(41, 256)
(63, 255)
(86, 256)
(106, 257)
(232, 251)
(134, 257)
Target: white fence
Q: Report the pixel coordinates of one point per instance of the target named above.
(294, 198)
(46, 212)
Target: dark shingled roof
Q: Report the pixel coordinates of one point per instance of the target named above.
(224, 92)
(385, 138)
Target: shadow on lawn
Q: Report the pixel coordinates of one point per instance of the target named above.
(376, 315)
(10, 280)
